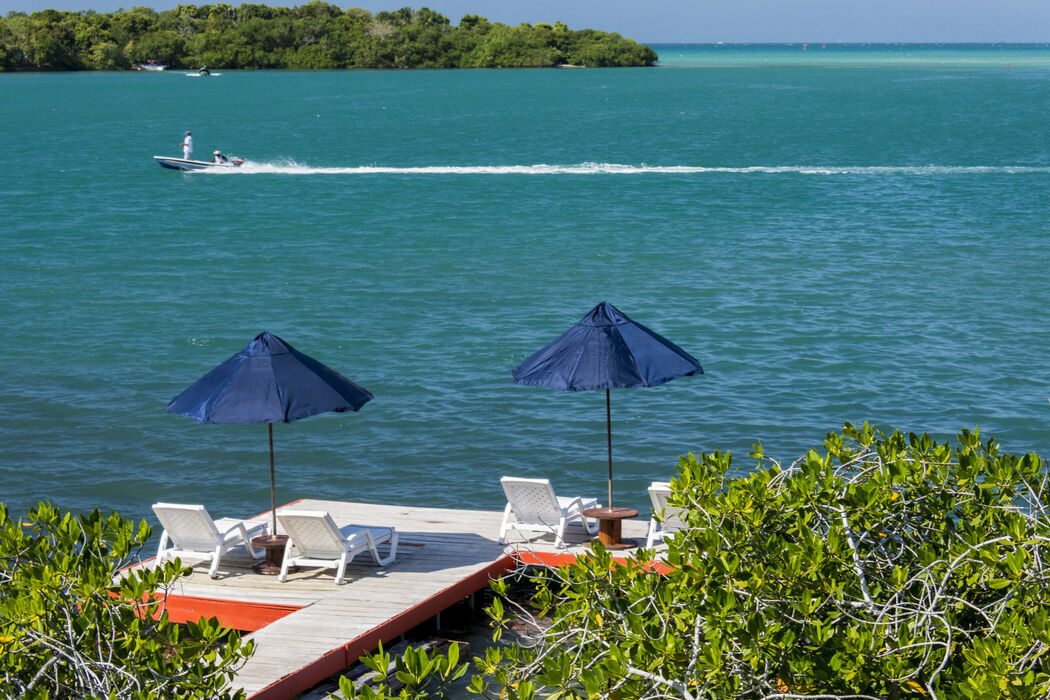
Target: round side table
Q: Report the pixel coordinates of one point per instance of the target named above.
(609, 526)
(274, 546)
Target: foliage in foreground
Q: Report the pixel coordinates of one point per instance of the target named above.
(882, 566)
(69, 629)
(418, 674)
(316, 35)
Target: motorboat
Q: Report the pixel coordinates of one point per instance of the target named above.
(150, 65)
(184, 164)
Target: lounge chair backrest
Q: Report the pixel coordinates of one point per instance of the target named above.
(313, 532)
(671, 518)
(532, 500)
(188, 526)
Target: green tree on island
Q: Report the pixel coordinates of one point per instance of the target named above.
(316, 35)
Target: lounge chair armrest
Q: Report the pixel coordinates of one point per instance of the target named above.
(576, 507)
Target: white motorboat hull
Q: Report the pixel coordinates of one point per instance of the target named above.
(184, 164)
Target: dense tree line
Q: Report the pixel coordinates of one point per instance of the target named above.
(316, 35)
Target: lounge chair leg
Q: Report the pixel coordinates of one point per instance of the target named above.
(341, 571)
(286, 561)
(215, 558)
(651, 537)
(163, 546)
(505, 525)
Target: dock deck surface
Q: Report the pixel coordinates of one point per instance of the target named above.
(319, 628)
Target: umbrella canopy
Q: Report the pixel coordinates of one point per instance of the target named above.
(605, 350)
(269, 382)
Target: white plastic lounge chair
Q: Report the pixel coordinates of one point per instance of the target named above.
(671, 519)
(319, 542)
(532, 506)
(193, 533)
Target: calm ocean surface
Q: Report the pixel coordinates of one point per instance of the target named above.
(850, 233)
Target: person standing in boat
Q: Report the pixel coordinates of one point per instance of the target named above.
(187, 146)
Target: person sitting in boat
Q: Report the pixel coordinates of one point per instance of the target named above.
(203, 70)
(218, 157)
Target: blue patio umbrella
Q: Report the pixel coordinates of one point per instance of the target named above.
(605, 350)
(269, 382)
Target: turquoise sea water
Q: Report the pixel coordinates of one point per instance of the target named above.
(854, 233)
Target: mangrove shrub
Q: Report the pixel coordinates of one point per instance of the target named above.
(72, 626)
(879, 566)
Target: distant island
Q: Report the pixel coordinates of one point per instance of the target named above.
(314, 36)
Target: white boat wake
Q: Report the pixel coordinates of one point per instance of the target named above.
(293, 168)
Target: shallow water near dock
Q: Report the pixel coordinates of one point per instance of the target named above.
(847, 240)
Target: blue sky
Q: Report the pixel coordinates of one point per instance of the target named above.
(715, 20)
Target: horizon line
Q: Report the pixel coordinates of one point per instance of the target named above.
(845, 42)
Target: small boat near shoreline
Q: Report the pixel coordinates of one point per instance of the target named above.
(150, 65)
(185, 164)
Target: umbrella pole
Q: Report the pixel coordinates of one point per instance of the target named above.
(273, 485)
(608, 435)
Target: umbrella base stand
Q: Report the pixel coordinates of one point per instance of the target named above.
(274, 546)
(610, 522)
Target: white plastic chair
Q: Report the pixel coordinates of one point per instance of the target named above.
(318, 541)
(670, 519)
(532, 506)
(193, 533)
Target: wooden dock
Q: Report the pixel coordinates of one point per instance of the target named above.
(308, 628)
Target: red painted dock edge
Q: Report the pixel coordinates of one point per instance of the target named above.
(249, 617)
(556, 559)
(238, 614)
(346, 656)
